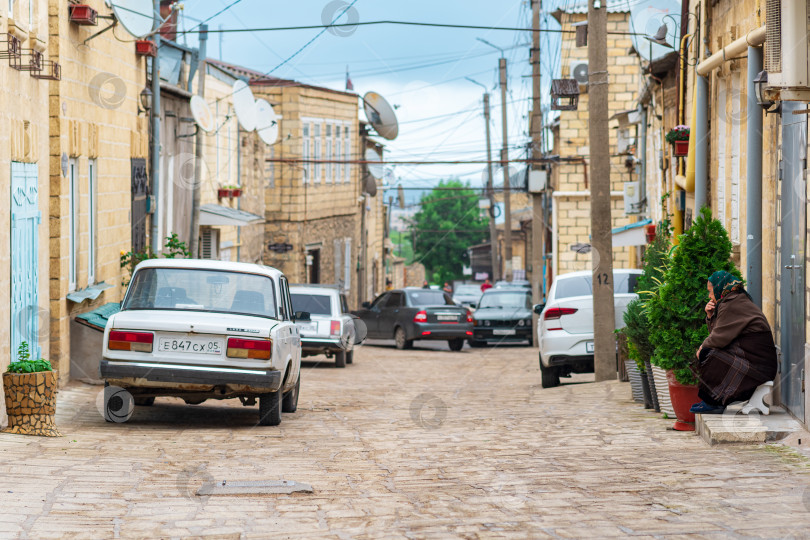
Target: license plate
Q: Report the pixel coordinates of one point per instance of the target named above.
(589, 346)
(190, 345)
(447, 318)
(308, 328)
(503, 332)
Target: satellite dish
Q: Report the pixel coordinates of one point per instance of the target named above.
(375, 169)
(381, 115)
(202, 114)
(646, 19)
(370, 185)
(245, 105)
(266, 122)
(136, 16)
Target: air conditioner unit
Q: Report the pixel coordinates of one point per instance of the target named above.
(578, 69)
(786, 56)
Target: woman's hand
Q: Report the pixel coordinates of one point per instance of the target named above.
(698, 351)
(710, 308)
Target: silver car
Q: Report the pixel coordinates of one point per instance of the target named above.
(331, 329)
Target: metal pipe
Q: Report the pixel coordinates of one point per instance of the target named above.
(155, 117)
(642, 161)
(199, 151)
(701, 141)
(735, 48)
(753, 168)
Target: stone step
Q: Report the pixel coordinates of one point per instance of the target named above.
(734, 427)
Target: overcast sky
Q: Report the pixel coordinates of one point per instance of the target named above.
(420, 70)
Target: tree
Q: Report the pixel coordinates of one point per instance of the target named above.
(675, 310)
(447, 224)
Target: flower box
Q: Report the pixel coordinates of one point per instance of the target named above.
(681, 148)
(83, 14)
(223, 193)
(144, 47)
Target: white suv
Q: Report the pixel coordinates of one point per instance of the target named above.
(565, 329)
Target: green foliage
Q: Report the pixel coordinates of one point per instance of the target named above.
(448, 222)
(678, 133)
(174, 248)
(675, 310)
(24, 364)
(656, 260)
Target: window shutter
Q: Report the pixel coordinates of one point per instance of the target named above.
(347, 270)
(338, 265)
(209, 244)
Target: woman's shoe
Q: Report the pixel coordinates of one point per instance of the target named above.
(705, 408)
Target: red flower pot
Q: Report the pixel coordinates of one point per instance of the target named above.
(681, 148)
(683, 396)
(223, 193)
(236, 192)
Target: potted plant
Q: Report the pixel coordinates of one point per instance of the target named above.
(675, 311)
(30, 391)
(229, 191)
(637, 329)
(678, 137)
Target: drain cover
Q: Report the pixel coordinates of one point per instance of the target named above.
(259, 487)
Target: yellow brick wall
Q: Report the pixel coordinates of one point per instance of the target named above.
(93, 114)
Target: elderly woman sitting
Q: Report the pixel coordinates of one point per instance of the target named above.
(739, 353)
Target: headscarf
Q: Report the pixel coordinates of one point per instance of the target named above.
(724, 283)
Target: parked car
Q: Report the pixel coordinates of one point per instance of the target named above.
(330, 330)
(565, 332)
(514, 284)
(411, 314)
(467, 295)
(503, 316)
(204, 329)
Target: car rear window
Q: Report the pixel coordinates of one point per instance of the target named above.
(429, 297)
(567, 287)
(467, 289)
(314, 304)
(191, 289)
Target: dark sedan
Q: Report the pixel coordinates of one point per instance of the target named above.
(408, 315)
(503, 316)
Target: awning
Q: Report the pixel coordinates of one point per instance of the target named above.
(634, 234)
(98, 318)
(215, 215)
(90, 293)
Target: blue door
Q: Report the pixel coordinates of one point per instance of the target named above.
(25, 219)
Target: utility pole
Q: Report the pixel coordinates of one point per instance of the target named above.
(601, 223)
(507, 204)
(155, 117)
(536, 128)
(493, 231)
(199, 151)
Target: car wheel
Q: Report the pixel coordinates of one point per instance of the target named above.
(456, 344)
(340, 359)
(476, 344)
(290, 401)
(350, 357)
(270, 409)
(400, 339)
(144, 401)
(550, 377)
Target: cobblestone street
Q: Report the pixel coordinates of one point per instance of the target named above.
(422, 443)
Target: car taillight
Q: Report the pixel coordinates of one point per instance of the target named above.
(258, 349)
(334, 328)
(130, 341)
(556, 313)
(420, 317)
(469, 316)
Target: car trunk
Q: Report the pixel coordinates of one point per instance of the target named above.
(580, 322)
(445, 314)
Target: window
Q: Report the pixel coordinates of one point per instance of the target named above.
(394, 300)
(329, 166)
(574, 286)
(285, 299)
(510, 299)
(213, 291)
(429, 297)
(92, 219)
(338, 156)
(347, 150)
(344, 305)
(306, 155)
(73, 221)
(318, 155)
(314, 304)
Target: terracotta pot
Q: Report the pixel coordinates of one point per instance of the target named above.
(236, 192)
(31, 403)
(681, 148)
(683, 396)
(222, 193)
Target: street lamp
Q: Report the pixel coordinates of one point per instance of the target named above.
(146, 100)
(660, 36)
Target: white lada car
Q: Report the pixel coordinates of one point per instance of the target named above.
(203, 329)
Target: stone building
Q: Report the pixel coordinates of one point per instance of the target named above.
(321, 224)
(25, 186)
(571, 218)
